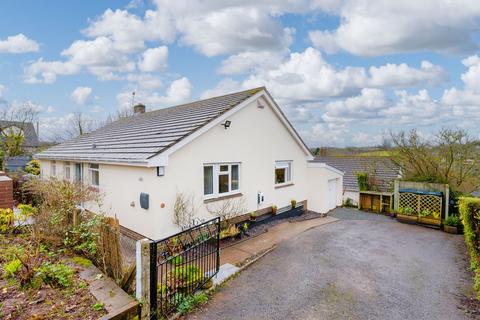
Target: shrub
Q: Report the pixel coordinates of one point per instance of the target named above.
(33, 167)
(349, 203)
(452, 221)
(12, 267)
(293, 203)
(408, 211)
(424, 213)
(187, 303)
(362, 180)
(469, 209)
(178, 260)
(274, 209)
(58, 201)
(184, 276)
(56, 274)
(7, 218)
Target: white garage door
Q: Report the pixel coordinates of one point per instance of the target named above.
(332, 194)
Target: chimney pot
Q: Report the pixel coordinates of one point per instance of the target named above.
(139, 109)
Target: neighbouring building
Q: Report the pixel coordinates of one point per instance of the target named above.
(382, 170)
(237, 147)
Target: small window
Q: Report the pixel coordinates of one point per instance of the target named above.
(283, 172)
(67, 171)
(53, 169)
(78, 172)
(208, 180)
(94, 174)
(221, 179)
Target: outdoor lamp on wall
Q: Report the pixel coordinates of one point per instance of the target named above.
(226, 124)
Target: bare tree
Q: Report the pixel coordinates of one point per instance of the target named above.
(184, 210)
(227, 209)
(451, 156)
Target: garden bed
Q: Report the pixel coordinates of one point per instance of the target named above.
(53, 290)
(257, 229)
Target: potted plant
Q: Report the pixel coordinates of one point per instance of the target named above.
(253, 216)
(407, 214)
(274, 209)
(430, 218)
(451, 224)
(293, 203)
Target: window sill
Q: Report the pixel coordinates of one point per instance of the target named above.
(229, 196)
(284, 185)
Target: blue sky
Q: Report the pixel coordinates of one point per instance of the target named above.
(345, 72)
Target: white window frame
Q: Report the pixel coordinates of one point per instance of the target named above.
(68, 166)
(284, 164)
(53, 169)
(91, 171)
(215, 180)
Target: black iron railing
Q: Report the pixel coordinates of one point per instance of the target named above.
(182, 264)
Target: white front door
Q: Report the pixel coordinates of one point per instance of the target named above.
(332, 194)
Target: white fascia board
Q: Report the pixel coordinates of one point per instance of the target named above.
(163, 157)
(316, 164)
(82, 160)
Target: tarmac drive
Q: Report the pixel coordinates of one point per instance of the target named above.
(364, 266)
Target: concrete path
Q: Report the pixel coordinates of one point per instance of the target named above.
(238, 253)
(362, 267)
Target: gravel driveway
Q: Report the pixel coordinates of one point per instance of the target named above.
(364, 266)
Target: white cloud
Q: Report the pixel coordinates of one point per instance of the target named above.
(179, 91)
(154, 59)
(42, 71)
(223, 87)
(382, 27)
(18, 44)
(2, 90)
(81, 95)
(401, 75)
(247, 61)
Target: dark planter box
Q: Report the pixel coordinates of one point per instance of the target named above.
(407, 219)
(271, 217)
(430, 221)
(450, 229)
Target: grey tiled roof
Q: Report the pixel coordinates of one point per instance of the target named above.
(383, 167)
(31, 138)
(138, 138)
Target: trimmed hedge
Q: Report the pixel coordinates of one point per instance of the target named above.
(469, 209)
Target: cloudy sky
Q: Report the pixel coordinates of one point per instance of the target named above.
(345, 72)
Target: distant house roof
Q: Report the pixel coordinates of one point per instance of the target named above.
(31, 138)
(138, 138)
(383, 167)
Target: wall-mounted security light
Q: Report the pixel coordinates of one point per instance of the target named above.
(227, 124)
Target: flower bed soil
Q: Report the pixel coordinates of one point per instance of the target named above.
(259, 229)
(44, 302)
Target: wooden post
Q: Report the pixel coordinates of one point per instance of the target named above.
(143, 276)
(396, 195)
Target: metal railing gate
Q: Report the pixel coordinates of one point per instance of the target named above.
(182, 264)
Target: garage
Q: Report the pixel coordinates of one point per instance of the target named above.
(325, 187)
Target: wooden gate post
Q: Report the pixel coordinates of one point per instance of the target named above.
(142, 292)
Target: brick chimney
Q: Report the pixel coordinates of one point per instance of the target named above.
(139, 109)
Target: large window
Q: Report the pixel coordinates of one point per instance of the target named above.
(94, 174)
(283, 172)
(221, 179)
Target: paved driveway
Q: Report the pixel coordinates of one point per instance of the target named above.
(361, 267)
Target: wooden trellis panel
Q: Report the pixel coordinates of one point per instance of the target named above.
(419, 202)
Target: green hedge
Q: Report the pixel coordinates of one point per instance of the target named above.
(469, 209)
